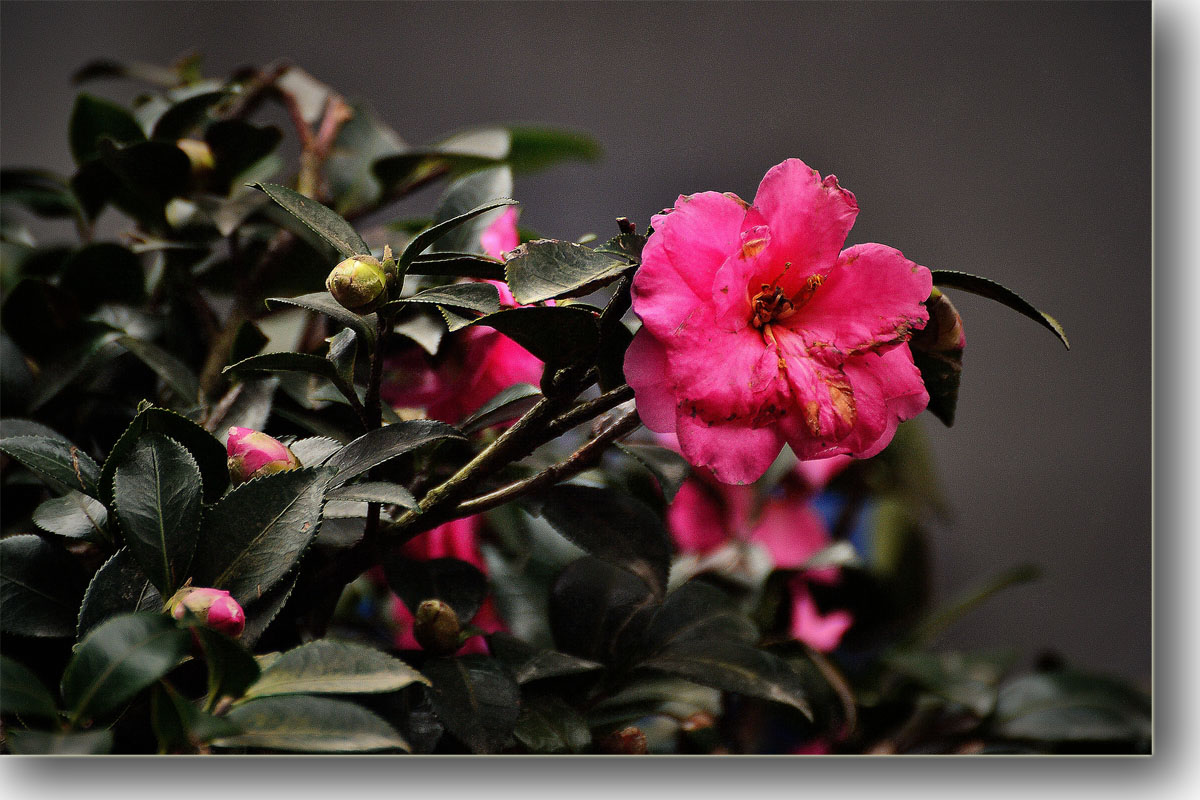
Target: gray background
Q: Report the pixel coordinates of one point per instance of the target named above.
(1008, 140)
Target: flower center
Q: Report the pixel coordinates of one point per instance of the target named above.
(769, 305)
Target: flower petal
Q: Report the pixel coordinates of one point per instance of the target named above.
(790, 530)
(682, 256)
(809, 219)
(646, 371)
(874, 296)
(825, 407)
(820, 631)
(734, 452)
(890, 390)
(695, 520)
(726, 377)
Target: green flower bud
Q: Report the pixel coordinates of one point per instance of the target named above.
(359, 284)
(436, 627)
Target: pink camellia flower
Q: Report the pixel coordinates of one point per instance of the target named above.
(758, 330)
(706, 516)
(253, 454)
(215, 608)
(456, 539)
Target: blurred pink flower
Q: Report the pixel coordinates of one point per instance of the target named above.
(707, 515)
(757, 331)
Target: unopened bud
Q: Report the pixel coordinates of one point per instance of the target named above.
(436, 627)
(199, 154)
(253, 454)
(359, 284)
(625, 742)
(215, 609)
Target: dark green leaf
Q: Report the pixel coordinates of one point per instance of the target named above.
(14, 426)
(74, 515)
(375, 492)
(941, 619)
(62, 743)
(118, 659)
(107, 68)
(694, 612)
(323, 303)
(104, 272)
(547, 268)
(529, 663)
(21, 692)
(734, 667)
(238, 148)
(481, 297)
(360, 142)
(534, 148)
(118, 587)
(458, 265)
(1071, 706)
(262, 612)
(314, 450)
(255, 534)
(249, 404)
(41, 318)
(286, 361)
(625, 245)
(597, 610)
(250, 340)
(505, 406)
(964, 678)
(186, 115)
(613, 526)
(548, 725)
(432, 234)
(158, 491)
(178, 725)
(304, 724)
(937, 350)
(63, 465)
(176, 374)
(40, 587)
(458, 584)
(326, 666)
(668, 467)
(555, 335)
(149, 175)
(476, 698)
(994, 291)
(231, 667)
(43, 193)
(209, 453)
(464, 194)
(377, 446)
(92, 119)
(324, 222)
(343, 348)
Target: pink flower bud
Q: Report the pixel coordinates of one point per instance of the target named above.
(253, 454)
(215, 609)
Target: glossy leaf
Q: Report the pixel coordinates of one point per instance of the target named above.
(464, 194)
(285, 361)
(158, 505)
(480, 297)
(476, 698)
(118, 587)
(423, 240)
(547, 268)
(231, 667)
(61, 743)
(323, 303)
(118, 659)
(314, 450)
(937, 351)
(61, 464)
(323, 221)
(74, 515)
(361, 141)
(343, 350)
(186, 115)
(209, 453)
(41, 192)
(529, 663)
(93, 118)
(375, 492)
(40, 587)
(458, 265)
(377, 446)
(21, 692)
(554, 335)
(965, 678)
(458, 584)
(255, 534)
(507, 405)
(668, 467)
(549, 725)
(239, 149)
(1070, 706)
(326, 666)
(994, 291)
(304, 724)
(597, 610)
(613, 526)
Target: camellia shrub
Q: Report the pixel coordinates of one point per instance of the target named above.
(285, 473)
